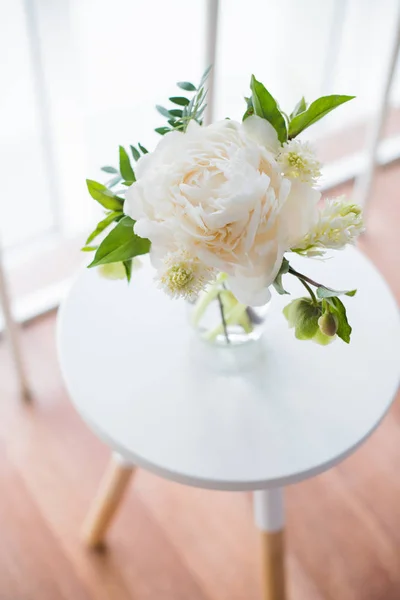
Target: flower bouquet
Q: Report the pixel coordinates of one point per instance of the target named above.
(219, 209)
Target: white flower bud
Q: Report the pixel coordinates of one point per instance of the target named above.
(339, 223)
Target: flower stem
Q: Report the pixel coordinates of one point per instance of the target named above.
(313, 297)
(305, 278)
(232, 316)
(221, 308)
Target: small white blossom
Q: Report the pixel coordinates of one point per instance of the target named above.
(183, 276)
(298, 161)
(339, 223)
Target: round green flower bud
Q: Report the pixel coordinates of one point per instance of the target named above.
(328, 324)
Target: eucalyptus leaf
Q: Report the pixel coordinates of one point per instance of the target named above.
(113, 181)
(143, 149)
(125, 165)
(105, 197)
(176, 112)
(135, 153)
(186, 85)
(318, 109)
(204, 76)
(180, 100)
(102, 225)
(163, 111)
(265, 106)
(112, 170)
(162, 130)
(121, 244)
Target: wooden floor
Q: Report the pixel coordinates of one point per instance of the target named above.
(177, 543)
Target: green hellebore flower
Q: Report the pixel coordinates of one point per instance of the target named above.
(304, 315)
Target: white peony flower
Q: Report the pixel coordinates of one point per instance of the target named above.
(298, 161)
(339, 223)
(217, 192)
(181, 275)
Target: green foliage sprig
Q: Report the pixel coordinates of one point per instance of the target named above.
(264, 105)
(192, 109)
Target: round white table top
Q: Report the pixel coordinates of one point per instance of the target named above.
(155, 394)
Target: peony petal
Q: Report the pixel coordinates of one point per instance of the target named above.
(298, 213)
(250, 291)
(261, 131)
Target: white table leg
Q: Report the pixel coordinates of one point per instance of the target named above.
(12, 334)
(107, 501)
(269, 518)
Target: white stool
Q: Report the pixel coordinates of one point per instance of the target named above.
(144, 385)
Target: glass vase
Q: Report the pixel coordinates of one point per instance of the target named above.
(220, 319)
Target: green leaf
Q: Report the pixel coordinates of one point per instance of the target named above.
(127, 183)
(121, 244)
(318, 109)
(105, 197)
(180, 100)
(204, 76)
(265, 106)
(186, 85)
(109, 170)
(176, 112)
(162, 130)
(300, 107)
(143, 149)
(125, 165)
(128, 269)
(344, 328)
(325, 292)
(102, 225)
(163, 111)
(114, 181)
(277, 283)
(135, 153)
(89, 248)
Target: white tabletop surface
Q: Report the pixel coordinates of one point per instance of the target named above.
(155, 394)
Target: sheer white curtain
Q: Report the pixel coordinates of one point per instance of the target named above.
(82, 76)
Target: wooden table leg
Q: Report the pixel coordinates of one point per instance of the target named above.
(107, 501)
(269, 518)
